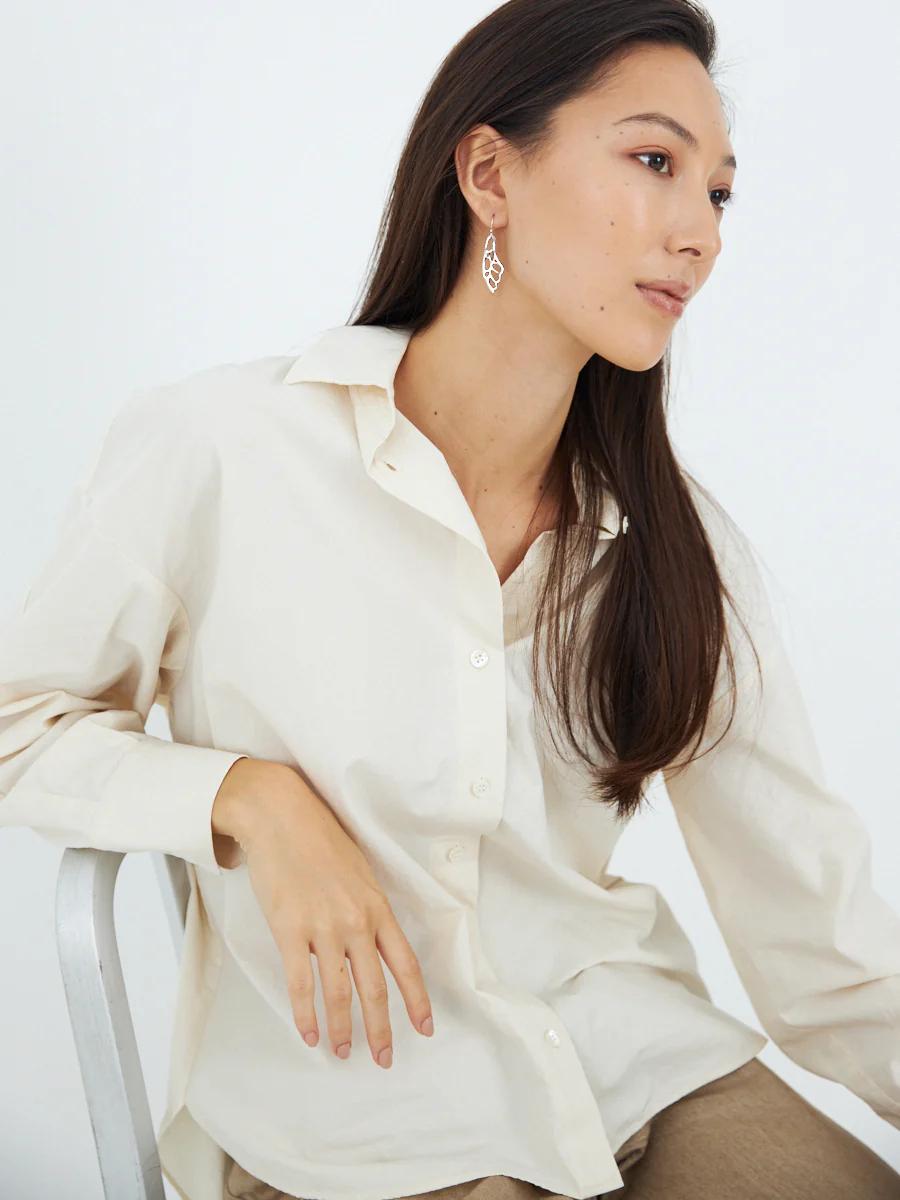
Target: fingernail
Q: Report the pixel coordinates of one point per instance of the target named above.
(427, 1026)
(385, 1057)
(344, 1050)
(311, 1038)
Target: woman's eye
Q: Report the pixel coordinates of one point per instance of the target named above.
(654, 154)
(728, 197)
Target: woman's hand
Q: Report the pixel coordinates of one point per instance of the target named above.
(319, 896)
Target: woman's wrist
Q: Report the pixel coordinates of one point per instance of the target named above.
(244, 793)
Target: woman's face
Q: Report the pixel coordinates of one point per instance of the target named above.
(615, 201)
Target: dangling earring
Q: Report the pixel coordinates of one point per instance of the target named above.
(491, 266)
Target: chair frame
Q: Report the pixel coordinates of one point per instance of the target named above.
(101, 1021)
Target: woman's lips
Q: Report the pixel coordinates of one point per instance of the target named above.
(662, 300)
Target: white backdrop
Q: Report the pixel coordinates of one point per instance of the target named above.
(191, 183)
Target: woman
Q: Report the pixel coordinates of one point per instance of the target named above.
(429, 607)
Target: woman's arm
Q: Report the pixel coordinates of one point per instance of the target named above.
(98, 637)
(785, 864)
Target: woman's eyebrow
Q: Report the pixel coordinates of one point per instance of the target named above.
(658, 118)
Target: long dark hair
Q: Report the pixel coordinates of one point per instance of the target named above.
(640, 675)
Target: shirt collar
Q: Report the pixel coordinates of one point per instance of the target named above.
(366, 357)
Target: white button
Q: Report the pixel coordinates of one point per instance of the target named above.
(481, 786)
(552, 1036)
(457, 850)
(479, 658)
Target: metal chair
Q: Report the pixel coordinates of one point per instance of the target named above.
(101, 1019)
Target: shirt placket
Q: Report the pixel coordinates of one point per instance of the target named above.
(409, 466)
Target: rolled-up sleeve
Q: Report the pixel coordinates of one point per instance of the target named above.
(98, 638)
(785, 865)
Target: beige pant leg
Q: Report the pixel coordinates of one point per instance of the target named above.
(750, 1136)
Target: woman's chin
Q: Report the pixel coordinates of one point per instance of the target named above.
(639, 356)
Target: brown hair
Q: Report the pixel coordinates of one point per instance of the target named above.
(646, 678)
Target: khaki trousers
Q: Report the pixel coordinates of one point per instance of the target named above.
(744, 1136)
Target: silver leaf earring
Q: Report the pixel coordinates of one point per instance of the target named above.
(491, 266)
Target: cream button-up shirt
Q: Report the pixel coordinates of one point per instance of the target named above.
(286, 563)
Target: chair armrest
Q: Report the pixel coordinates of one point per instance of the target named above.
(102, 1027)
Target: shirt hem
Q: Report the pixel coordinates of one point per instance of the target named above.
(416, 1184)
(712, 1071)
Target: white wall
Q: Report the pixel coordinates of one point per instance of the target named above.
(192, 183)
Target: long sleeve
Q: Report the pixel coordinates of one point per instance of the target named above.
(785, 865)
(99, 637)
